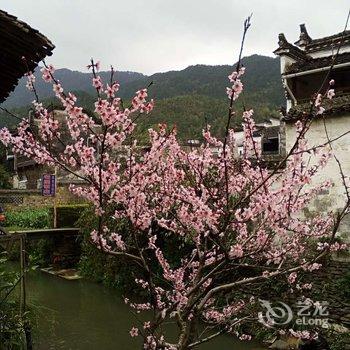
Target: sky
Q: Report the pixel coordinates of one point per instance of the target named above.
(161, 35)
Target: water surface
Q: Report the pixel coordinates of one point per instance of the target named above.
(81, 315)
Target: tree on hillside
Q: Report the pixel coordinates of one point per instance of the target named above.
(234, 223)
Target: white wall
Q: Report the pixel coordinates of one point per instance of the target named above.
(316, 136)
(285, 62)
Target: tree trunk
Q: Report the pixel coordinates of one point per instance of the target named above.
(187, 334)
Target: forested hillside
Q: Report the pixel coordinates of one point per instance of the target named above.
(188, 98)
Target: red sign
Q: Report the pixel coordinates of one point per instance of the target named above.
(48, 185)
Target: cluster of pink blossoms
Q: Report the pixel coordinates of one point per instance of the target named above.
(237, 87)
(30, 81)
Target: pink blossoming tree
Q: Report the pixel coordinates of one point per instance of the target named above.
(231, 214)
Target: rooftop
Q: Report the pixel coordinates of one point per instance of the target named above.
(327, 42)
(320, 62)
(308, 53)
(18, 41)
(337, 105)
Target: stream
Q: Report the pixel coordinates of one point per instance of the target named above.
(82, 315)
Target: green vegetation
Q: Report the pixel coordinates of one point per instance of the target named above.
(67, 215)
(28, 218)
(40, 252)
(98, 266)
(188, 113)
(5, 178)
(11, 323)
(115, 271)
(41, 218)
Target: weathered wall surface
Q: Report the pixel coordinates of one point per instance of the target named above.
(335, 197)
(33, 199)
(32, 174)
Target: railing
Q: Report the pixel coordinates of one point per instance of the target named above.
(50, 232)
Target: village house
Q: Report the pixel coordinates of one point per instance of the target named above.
(267, 134)
(304, 66)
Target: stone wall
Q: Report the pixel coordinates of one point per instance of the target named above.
(17, 199)
(32, 173)
(329, 284)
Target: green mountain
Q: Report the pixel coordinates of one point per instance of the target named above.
(189, 98)
(71, 80)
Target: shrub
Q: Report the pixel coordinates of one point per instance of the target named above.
(28, 218)
(117, 272)
(96, 265)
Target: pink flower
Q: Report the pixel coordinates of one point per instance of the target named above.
(147, 325)
(320, 110)
(118, 241)
(330, 94)
(95, 65)
(235, 90)
(236, 251)
(245, 337)
(292, 277)
(57, 88)
(111, 90)
(134, 332)
(318, 100)
(47, 73)
(307, 286)
(313, 267)
(97, 83)
(30, 81)
(266, 274)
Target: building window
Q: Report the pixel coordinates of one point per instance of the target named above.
(271, 145)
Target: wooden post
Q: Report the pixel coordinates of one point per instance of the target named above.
(22, 269)
(55, 202)
(26, 324)
(15, 170)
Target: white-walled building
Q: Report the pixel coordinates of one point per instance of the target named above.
(304, 66)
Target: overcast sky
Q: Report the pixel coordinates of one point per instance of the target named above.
(161, 35)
